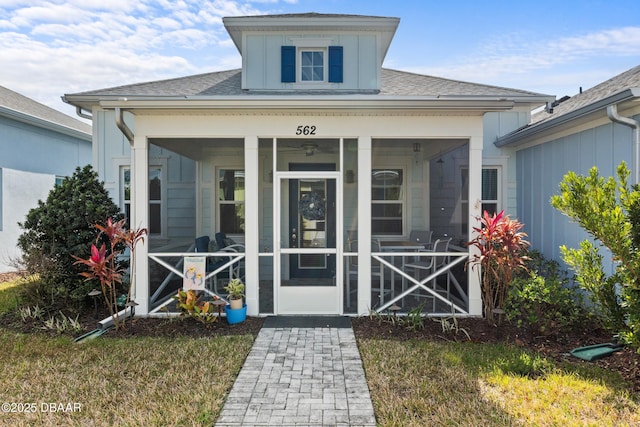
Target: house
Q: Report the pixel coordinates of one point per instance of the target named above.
(39, 146)
(598, 127)
(321, 164)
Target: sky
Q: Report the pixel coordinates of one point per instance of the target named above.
(52, 47)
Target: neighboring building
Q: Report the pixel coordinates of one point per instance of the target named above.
(318, 160)
(38, 147)
(579, 133)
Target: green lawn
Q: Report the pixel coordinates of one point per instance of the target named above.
(183, 382)
(419, 383)
(108, 381)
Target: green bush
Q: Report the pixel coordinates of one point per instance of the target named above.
(609, 210)
(543, 300)
(58, 228)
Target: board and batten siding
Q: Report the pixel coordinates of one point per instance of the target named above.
(541, 168)
(361, 65)
(113, 152)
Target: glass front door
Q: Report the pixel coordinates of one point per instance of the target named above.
(308, 250)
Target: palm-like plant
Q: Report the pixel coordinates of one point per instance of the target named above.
(501, 253)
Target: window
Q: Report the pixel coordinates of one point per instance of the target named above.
(387, 201)
(490, 192)
(59, 180)
(155, 197)
(231, 196)
(312, 64)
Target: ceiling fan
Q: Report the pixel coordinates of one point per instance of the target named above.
(309, 148)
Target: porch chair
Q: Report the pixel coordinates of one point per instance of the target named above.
(234, 271)
(431, 265)
(421, 236)
(376, 271)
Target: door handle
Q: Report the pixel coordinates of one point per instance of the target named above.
(293, 235)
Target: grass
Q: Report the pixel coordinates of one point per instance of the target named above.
(133, 382)
(418, 383)
(10, 294)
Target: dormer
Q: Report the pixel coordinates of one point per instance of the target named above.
(311, 51)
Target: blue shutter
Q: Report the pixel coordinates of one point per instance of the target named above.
(288, 64)
(335, 64)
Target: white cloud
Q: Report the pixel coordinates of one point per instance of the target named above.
(511, 60)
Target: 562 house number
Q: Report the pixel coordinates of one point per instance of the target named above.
(305, 130)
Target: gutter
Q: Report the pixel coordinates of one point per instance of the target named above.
(612, 113)
(516, 138)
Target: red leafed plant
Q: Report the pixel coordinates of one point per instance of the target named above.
(104, 265)
(501, 253)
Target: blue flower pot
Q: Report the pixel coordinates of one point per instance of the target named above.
(237, 315)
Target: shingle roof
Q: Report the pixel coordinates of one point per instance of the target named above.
(228, 83)
(626, 80)
(16, 102)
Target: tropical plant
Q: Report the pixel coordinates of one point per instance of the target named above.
(500, 254)
(235, 289)
(191, 304)
(104, 265)
(609, 210)
(57, 230)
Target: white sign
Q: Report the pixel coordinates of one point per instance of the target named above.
(194, 272)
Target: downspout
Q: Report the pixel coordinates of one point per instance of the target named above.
(122, 125)
(612, 113)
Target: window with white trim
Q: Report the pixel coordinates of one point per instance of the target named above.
(312, 65)
(155, 197)
(387, 201)
(490, 197)
(231, 197)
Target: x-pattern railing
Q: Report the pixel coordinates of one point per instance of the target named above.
(234, 259)
(455, 258)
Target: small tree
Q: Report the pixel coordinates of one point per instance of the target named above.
(501, 245)
(60, 228)
(610, 212)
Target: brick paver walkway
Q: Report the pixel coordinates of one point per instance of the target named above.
(300, 376)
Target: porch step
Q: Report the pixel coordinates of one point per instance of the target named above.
(307, 322)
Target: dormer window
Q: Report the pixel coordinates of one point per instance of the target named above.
(310, 65)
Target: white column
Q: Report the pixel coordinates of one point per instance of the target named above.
(364, 224)
(140, 219)
(251, 224)
(475, 211)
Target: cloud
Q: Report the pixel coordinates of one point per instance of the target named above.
(512, 57)
(48, 47)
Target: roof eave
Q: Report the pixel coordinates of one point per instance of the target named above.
(551, 125)
(317, 102)
(44, 124)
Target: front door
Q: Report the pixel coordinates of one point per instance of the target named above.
(312, 224)
(308, 251)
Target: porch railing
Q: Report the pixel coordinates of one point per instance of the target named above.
(417, 284)
(232, 266)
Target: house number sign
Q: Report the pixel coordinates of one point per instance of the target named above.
(305, 130)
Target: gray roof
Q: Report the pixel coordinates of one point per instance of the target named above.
(628, 79)
(228, 83)
(13, 101)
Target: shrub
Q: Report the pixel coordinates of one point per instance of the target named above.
(543, 300)
(58, 229)
(609, 211)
